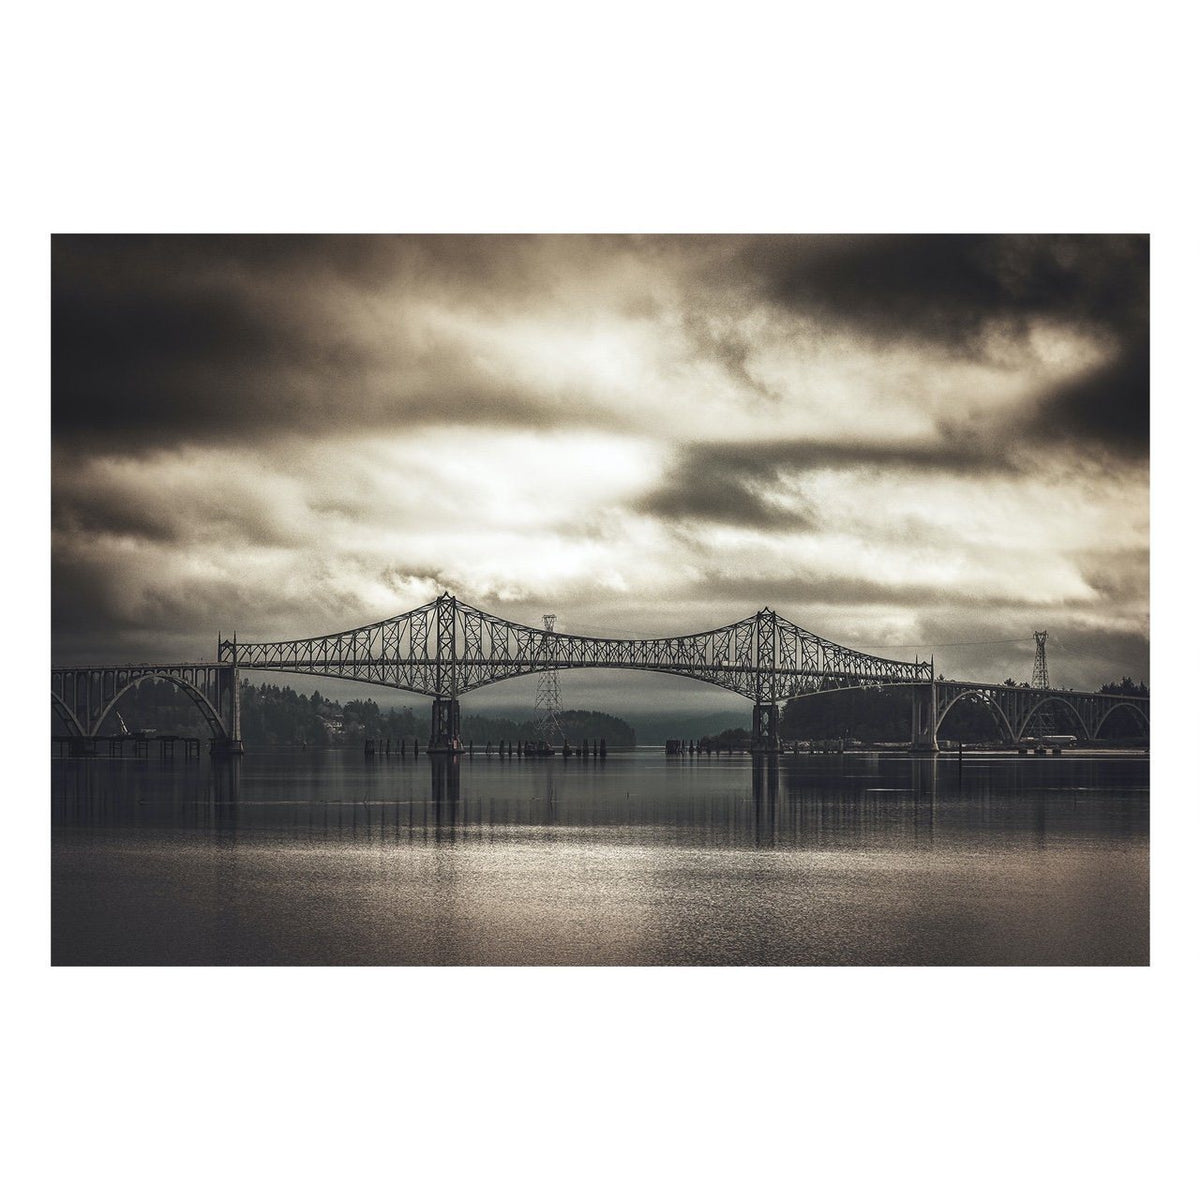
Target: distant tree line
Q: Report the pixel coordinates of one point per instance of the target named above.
(280, 716)
(1122, 723)
(576, 724)
(875, 715)
(727, 739)
(1125, 688)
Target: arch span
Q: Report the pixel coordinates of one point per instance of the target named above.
(215, 724)
(993, 709)
(1142, 720)
(67, 715)
(1048, 703)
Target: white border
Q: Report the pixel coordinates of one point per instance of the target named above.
(646, 118)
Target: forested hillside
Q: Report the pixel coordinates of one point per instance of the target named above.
(280, 716)
(576, 725)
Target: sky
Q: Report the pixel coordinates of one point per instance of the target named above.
(913, 445)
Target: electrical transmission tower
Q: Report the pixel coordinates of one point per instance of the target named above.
(1043, 722)
(549, 703)
(1041, 677)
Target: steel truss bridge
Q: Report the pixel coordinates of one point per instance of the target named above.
(446, 648)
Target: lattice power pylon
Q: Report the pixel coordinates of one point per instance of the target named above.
(1041, 677)
(548, 704)
(1043, 722)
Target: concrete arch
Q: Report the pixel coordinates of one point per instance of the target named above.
(1143, 720)
(1062, 702)
(210, 714)
(994, 711)
(67, 715)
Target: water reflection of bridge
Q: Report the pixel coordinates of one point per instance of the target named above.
(767, 801)
(446, 649)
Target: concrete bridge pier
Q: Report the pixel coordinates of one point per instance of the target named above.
(444, 728)
(924, 719)
(227, 742)
(765, 730)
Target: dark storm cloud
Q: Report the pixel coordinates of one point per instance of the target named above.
(95, 511)
(950, 293)
(725, 482)
(87, 505)
(158, 340)
(152, 607)
(1109, 406)
(703, 488)
(947, 288)
(162, 340)
(367, 262)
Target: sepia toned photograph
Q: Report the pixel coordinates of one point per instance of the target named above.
(622, 600)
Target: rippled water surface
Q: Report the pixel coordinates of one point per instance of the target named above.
(330, 858)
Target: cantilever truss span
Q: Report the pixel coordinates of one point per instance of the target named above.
(445, 649)
(448, 648)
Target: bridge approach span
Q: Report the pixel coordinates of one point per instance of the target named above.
(1014, 707)
(84, 696)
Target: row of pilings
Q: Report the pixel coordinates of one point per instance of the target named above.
(76, 746)
(597, 748)
(681, 747)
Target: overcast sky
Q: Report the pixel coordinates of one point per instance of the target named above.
(902, 444)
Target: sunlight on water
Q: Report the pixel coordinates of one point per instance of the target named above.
(328, 858)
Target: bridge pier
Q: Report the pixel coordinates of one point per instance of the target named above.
(228, 687)
(444, 728)
(765, 729)
(924, 719)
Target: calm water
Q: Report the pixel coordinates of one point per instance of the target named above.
(330, 858)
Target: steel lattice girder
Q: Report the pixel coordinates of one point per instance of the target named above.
(448, 647)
